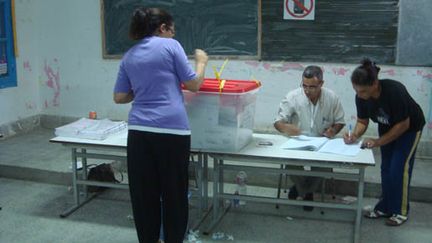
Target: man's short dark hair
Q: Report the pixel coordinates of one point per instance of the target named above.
(313, 72)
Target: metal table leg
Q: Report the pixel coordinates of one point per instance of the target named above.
(359, 205)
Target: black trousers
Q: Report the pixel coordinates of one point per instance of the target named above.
(158, 169)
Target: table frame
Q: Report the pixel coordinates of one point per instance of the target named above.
(255, 158)
(114, 149)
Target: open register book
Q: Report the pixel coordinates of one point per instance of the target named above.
(322, 145)
(305, 143)
(91, 129)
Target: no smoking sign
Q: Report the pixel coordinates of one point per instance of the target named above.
(299, 9)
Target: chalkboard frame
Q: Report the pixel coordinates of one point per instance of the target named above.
(256, 49)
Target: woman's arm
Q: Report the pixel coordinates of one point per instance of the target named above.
(359, 130)
(394, 132)
(201, 59)
(123, 98)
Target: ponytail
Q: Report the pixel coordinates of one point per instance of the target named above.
(366, 73)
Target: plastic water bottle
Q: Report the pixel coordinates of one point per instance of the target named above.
(241, 188)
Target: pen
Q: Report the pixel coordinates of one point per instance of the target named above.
(349, 131)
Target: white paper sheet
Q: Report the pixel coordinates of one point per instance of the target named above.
(338, 146)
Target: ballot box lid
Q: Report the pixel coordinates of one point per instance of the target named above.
(228, 86)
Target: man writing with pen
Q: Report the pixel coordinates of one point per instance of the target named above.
(400, 123)
(314, 111)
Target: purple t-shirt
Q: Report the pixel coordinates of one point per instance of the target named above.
(154, 69)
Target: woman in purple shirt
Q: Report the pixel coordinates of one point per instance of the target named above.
(150, 76)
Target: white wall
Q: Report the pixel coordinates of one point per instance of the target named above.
(61, 70)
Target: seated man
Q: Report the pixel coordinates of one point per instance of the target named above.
(309, 110)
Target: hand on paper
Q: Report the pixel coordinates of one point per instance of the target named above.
(349, 138)
(293, 131)
(329, 132)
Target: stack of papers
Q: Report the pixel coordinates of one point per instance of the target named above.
(322, 145)
(90, 129)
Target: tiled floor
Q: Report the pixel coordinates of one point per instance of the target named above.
(30, 215)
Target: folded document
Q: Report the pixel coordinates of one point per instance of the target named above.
(90, 128)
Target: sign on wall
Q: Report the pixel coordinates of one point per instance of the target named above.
(299, 9)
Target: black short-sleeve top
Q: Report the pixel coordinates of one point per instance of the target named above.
(393, 105)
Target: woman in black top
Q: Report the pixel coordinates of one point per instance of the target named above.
(400, 123)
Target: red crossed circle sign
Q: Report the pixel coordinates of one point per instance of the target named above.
(301, 6)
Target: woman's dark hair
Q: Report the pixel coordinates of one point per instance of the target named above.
(145, 21)
(366, 73)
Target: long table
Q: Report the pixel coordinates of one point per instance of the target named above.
(259, 152)
(114, 148)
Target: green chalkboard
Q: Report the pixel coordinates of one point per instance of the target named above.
(342, 31)
(220, 27)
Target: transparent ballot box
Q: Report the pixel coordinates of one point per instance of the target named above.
(221, 114)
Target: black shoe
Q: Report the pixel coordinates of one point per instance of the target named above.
(293, 193)
(308, 197)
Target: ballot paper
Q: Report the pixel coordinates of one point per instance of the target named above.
(91, 128)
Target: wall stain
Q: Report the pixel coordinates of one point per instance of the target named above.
(254, 64)
(427, 77)
(53, 82)
(390, 72)
(30, 105)
(424, 75)
(340, 71)
(282, 67)
(26, 66)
